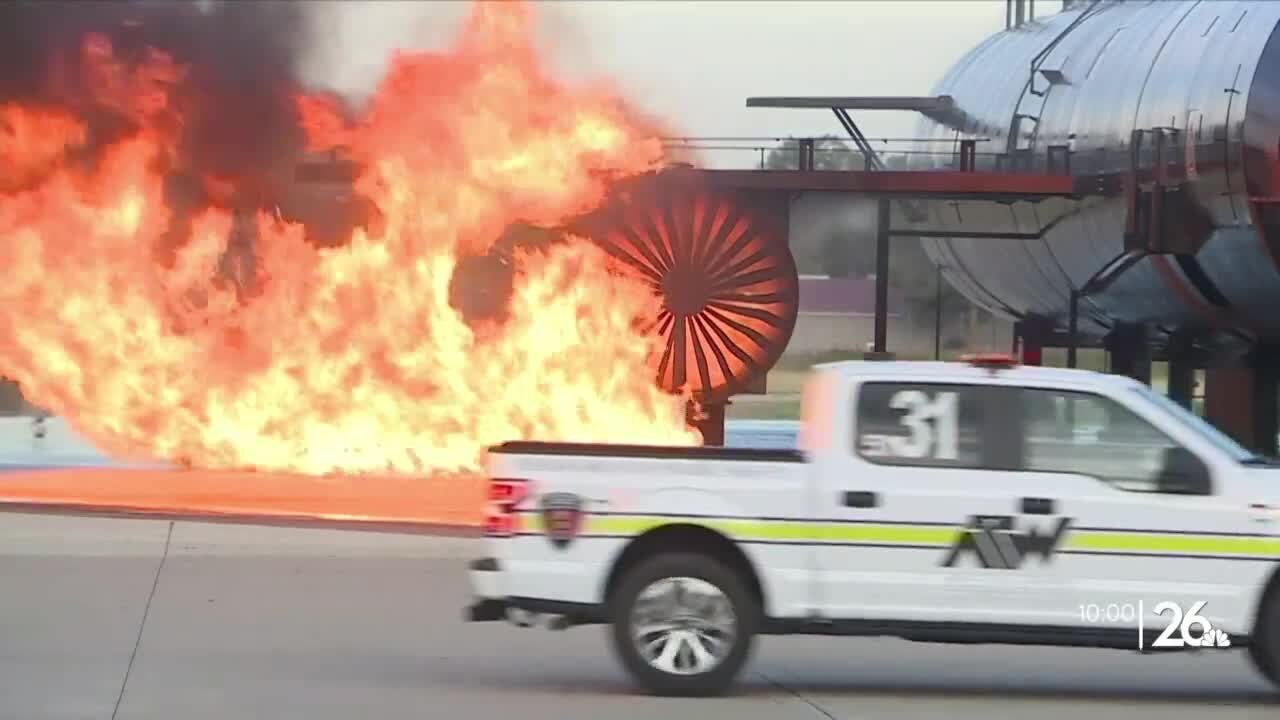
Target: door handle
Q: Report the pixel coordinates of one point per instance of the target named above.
(860, 499)
(1037, 506)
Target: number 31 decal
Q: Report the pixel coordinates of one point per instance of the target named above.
(931, 426)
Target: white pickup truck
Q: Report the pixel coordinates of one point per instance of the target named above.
(971, 502)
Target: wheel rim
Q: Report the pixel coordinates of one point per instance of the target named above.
(683, 626)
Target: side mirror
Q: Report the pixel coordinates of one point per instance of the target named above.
(1182, 473)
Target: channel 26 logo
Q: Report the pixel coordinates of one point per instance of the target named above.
(1188, 629)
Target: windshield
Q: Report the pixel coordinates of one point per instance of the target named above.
(1199, 425)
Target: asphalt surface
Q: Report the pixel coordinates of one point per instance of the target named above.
(134, 619)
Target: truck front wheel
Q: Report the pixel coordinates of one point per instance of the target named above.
(1264, 646)
(683, 624)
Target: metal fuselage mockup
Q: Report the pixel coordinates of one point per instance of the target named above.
(1085, 79)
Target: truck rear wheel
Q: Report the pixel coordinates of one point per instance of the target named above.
(683, 624)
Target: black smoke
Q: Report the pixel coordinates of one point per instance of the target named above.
(235, 128)
(241, 60)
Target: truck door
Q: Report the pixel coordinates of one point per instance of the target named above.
(921, 517)
(1142, 529)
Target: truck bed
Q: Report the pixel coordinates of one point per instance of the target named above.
(664, 452)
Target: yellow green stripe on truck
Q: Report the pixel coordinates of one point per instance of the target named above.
(784, 530)
(923, 535)
(1172, 543)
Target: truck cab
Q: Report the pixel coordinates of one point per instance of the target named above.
(980, 502)
(1019, 495)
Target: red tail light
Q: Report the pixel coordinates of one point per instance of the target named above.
(505, 495)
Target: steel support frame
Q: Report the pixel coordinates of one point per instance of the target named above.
(883, 221)
(1097, 283)
(937, 312)
(1244, 401)
(1182, 369)
(1032, 334)
(871, 159)
(709, 420)
(1130, 350)
(1266, 411)
(905, 185)
(885, 231)
(1073, 329)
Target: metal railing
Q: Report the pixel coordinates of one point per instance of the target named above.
(827, 152)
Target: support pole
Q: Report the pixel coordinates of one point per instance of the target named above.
(1266, 409)
(710, 422)
(968, 155)
(1130, 352)
(1228, 401)
(882, 276)
(1182, 370)
(1244, 401)
(937, 312)
(805, 146)
(1073, 329)
(1032, 351)
(1035, 334)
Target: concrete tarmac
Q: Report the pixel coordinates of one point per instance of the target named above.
(157, 620)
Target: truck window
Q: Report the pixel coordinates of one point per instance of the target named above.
(1092, 435)
(930, 425)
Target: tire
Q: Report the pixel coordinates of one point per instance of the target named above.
(1264, 664)
(701, 574)
(1264, 646)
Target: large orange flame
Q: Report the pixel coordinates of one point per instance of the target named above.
(346, 358)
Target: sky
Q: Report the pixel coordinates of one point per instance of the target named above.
(693, 63)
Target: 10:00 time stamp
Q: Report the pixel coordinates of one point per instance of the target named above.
(1111, 612)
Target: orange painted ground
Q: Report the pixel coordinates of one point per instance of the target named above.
(456, 501)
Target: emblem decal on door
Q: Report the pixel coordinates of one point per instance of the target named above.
(996, 543)
(561, 518)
